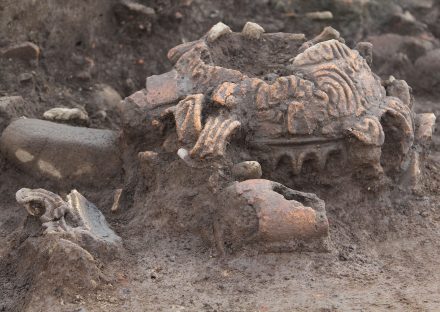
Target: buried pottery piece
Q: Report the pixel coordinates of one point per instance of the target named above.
(322, 100)
(263, 210)
(229, 118)
(227, 102)
(76, 219)
(68, 241)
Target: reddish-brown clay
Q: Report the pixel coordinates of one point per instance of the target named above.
(276, 212)
(308, 101)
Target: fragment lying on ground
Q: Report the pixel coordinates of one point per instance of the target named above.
(68, 241)
(26, 51)
(61, 152)
(76, 219)
(266, 211)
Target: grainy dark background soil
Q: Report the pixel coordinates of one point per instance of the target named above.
(384, 247)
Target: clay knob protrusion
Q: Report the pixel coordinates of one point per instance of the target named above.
(328, 33)
(252, 30)
(217, 31)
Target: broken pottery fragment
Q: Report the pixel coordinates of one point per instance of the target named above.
(162, 89)
(106, 98)
(68, 242)
(75, 219)
(134, 17)
(266, 211)
(61, 152)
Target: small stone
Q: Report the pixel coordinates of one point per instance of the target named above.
(85, 66)
(320, 15)
(178, 15)
(66, 114)
(134, 16)
(177, 308)
(12, 107)
(127, 10)
(112, 299)
(424, 214)
(27, 51)
(106, 98)
(252, 30)
(116, 200)
(399, 89)
(148, 157)
(425, 127)
(217, 31)
(154, 274)
(183, 153)
(25, 77)
(247, 170)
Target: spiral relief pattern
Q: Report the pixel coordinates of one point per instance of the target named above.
(337, 71)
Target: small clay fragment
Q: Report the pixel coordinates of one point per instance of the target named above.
(134, 16)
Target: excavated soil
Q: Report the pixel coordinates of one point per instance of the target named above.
(383, 252)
